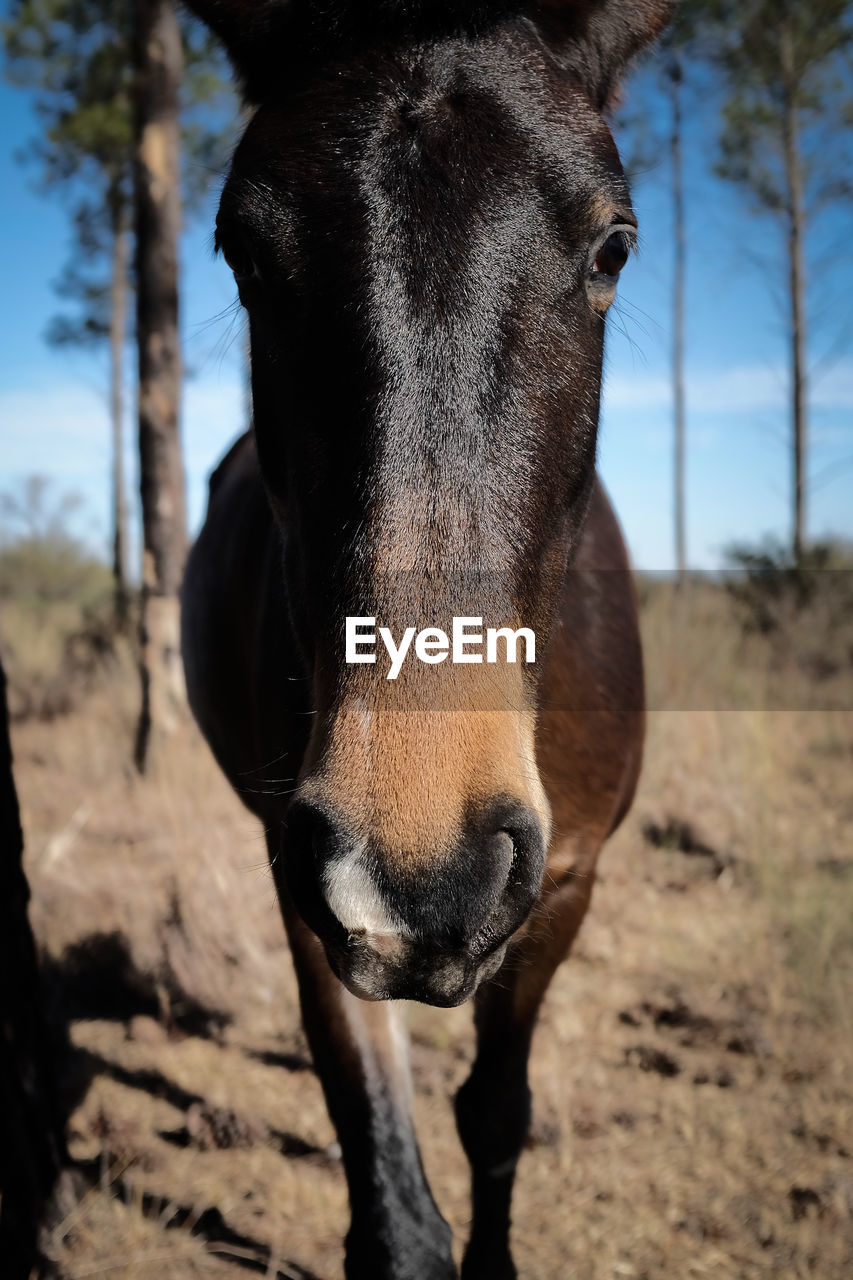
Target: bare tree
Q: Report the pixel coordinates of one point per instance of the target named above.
(118, 338)
(676, 151)
(796, 226)
(683, 46)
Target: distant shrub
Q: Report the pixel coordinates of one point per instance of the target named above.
(804, 608)
(771, 585)
(41, 560)
(56, 625)
(44, 571)
(762, 633)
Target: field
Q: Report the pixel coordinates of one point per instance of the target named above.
(692, 1071)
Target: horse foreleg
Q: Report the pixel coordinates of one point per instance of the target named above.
(493, 1105)
(360, 1051)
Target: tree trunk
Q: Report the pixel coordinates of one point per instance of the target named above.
(32, 1144)
(118, 337)
(159, 65)
(796, 289)
(678, 291)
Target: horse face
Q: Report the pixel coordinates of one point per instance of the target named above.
(426, 236)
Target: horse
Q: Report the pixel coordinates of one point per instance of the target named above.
(426, 218)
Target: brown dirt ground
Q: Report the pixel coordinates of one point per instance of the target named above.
(691, 1071)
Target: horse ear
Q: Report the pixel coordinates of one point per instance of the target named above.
(252, 32)
(596, 39)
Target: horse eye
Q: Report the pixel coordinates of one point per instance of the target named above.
(612, 255)
(241, 263)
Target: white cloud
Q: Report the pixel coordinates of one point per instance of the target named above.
(744, 389)
(44, 429)
(62, 431)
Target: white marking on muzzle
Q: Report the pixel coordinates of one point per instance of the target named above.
(355, 899)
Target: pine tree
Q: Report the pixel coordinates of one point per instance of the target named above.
(73, 52)
(158, 65)
(77, 56)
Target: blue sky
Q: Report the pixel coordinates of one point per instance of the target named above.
(53, 413)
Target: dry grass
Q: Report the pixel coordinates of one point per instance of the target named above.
(691, 1073)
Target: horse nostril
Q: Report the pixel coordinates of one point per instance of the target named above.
(313, 839)
(372, 905)
(501, 856)
(506, 848)
(516, 852)
(487, 886)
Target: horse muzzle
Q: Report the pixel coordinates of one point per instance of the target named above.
(426, 928)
